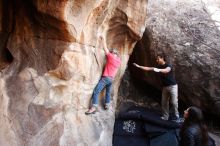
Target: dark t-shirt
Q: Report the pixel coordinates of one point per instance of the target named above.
(167, 78)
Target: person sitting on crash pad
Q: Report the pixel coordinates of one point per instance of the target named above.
(193, 131)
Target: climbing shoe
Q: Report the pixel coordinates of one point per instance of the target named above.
(92, 110)
(106, 107)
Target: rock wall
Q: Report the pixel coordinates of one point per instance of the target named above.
(51, 59)
(188, 32)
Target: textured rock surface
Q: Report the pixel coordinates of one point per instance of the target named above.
(50, 62)
(188, 32)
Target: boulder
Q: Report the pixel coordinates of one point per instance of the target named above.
(188, 33)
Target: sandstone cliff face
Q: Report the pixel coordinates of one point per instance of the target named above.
(51, 59)
(188, 32)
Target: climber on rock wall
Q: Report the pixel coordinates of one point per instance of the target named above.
(112, 65)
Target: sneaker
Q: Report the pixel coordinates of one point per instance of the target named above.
(163, 118)
(178, 120)
(92, 110)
